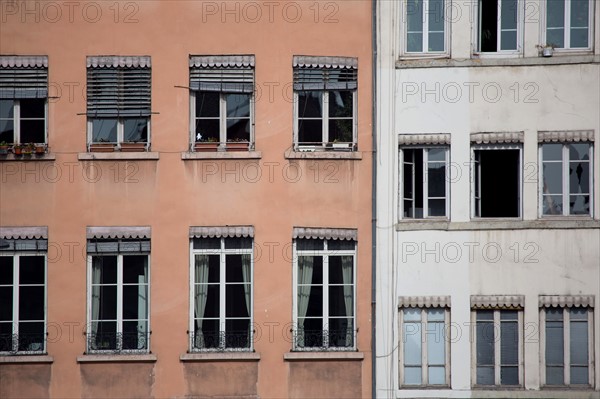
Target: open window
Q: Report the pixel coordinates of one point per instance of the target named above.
(496, 175)
(499, 26)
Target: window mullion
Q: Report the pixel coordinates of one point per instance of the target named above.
(567, 22)
(120, 301)
(15, 316)
(223, 119)
(222, 288)
(425, 182)
(425, 20)
(325, 113)
(499, 26)
(566, 189)
(326, 295)
(497, 347)
(120, 128)
(567, 345)
(424, 347)
(17, 121)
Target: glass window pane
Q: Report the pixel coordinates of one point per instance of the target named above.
(412, 314)
(555, 375)
(508, 40)
(414, 15)
(237, 333)
(555, 37)
(340, 301)
(135, 130)
(578, 313)
(436, 179)
(579, 205)
(509, 14)
(509, 343)
(436, 154)
(7, 109)
(554, 343)
(485, 315)
(341, 245)
(6, 270)
(208, 130)
(207, 243)
(435, 314)
(31, 303)
(340, 104)
(310, 131)
(104, 302)
(135, 302)
(485, 343)
(437, 375)
(552, 152)
(6, 303)
(579, 152)
(31, 270)
(555, 13)
(552, 204)
(579, 177)
(310, 104)
(436, 41)
(579, 38)
(509, 315)
(437, 207)
(305, 244)
(33, 108)
(485, 375)
(509, 375)
(554, 314)
(104, 335)
(31, 336)
(579, 342)
(435, 15)
(104, 130)
(238, 129)
(211, 291)
(238, 243)
(135, 334)
(135, 269)
(436, 348)
(233, 269)
(7, 131)
(207, 104)
(315, 302)
(340, 130)
(552, 172)
(238, 105)
(235, 300)
(411, 336)
(579, 375)
(414, 42)
(104, 270)
(580, 13)
(412, 375)
(32, 131)
(210, 337)
(341, 269)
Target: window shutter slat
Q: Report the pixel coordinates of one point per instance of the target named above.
(228, 80)
(16, 82)
(119, 92)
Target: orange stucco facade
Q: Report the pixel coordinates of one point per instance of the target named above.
(273, 191)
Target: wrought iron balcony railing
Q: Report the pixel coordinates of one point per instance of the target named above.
(117, 342)
(23, 343)
(324, 340)
(220, 341)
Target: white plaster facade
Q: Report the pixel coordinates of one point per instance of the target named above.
(530, 256)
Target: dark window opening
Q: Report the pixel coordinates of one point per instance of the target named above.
(488, 26)
(497, 183)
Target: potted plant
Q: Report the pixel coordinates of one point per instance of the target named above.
(40, 149)
(28, 149)
(211, 144)
(133, 146)
(546, 50)
(102, 146)
(4, 148)
(237, 144)
(18, 149)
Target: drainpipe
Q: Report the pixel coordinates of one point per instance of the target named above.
(374, 199)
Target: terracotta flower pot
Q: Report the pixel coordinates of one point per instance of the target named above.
(133, 147)
(237, 146)
(102, 147)
(206, 146)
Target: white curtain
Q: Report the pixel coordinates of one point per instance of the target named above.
(201, 293)
(305, 272)
(246, 276)
(142, 308)
(347, 272)
(96, 278)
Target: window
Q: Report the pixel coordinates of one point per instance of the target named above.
(425, 27)
(425, 186)
(499, 26)
(23, 99)
(496, 175)
(498, 345)
(325, 103)
(118, 102)
(567, 340)
(424, 345)
(22, 295)
(324, 273)
(118, 294)
(568, 24)
(222, 102)
(566, 178)
(221, 289)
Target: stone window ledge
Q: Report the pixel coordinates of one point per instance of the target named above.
(333, 155)
(118, 156)
(145, 358)
(188, 156)
(27, 158)
(220, 357)
(320, 356)
(26, 359)
(557, 59)
(495, 224)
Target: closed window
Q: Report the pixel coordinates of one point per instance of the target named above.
(325, 90)
(118, 102)
(424, 346)
(221, 293)
(568, 24)
(23, 296)
(23, 99)
(425, 27)
(324, 305)
(118, 295)
(222, 102)
(566, 178)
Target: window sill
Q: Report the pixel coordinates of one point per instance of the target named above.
(319, 356)
(187, 156)
(495, 224)
(557, 59)
(423, 387)
(220, 357)
(26, 158)
(118, 156)
(350, 155)
(146, 358)
(13, 359)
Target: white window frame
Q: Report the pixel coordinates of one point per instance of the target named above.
(222, 252)
(567, 28)
(567, 348)
(403, 50)
(15, 292)
(17, 120)
(325, 123)
(424, 348)
(497, 347)
(222, 118)
(119, 321)
(425, 186)
(120, 131)
(325, 253)
(498, 53)
(565, 179)
(475, 164)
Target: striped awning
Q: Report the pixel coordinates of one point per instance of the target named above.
(429, 139)
(497, 301)
(117, 232)
(24, 233)
(325, 73)
(221, 231)
(497, 137)
(23, 77)
(424, 302)
(565, 136)
(113, 61)
(222, 73)
(566, 301)
(325, 233)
